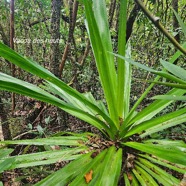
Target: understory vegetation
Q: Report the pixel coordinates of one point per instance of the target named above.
(93, 93)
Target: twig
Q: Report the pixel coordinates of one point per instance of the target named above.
(82, 59)
(40, 113)
(20, 135)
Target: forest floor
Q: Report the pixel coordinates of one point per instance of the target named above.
(35, 120)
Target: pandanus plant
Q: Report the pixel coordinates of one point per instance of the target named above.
(124, 154)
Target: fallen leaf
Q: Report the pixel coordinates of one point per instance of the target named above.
(88, 176)
(129, 176)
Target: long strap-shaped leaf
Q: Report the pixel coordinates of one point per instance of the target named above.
(159, 174)
(168, 178)
(108, 171)
(165, 151)
(151, 110)
(41, 72)
(174, 69)
(166, 124)
(62, 140)
(80, 179)
(167, 120)
(64, 176)
(123, 68)
(172, 60)
(181, 23)
(176, 167)
(98, 30)
(46, 157)
(12, 84)
(154, 108)
(145, 176)
(139, 178)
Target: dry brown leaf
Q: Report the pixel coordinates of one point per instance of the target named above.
(129, 176)
(88, 176)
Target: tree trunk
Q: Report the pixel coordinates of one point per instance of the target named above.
(72, 22)
(55, 37)
(174, 20)
(55, 52)
(12, 33)
(4, 124)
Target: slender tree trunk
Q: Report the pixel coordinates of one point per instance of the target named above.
(174, 20)
(12, 33)
(4, 124)
(72, 22)
(55, 52)
(111, 11)
(55, 36)
(131, 20)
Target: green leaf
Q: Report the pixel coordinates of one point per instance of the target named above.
(41, 72)
(5, 161)
(131, 114)
(47, 157)
(63, 176)
(160, 73)
(177, 144)
(80, 179)
(134, 180)
(111, 177)
(159, 123)
(108, 172)
(167, 151)
(98, 165)
(50, 87)
(126, 179)
(97, 25)
(154, 108)
(5, 152)
(6, 164)
(139, 178)
(149, 112)
(64, 140)
(123, 68)
(181, 23)
(174, 69)
(12, 84)
(172, 122)
(159, 174)
(145, 176)
(173, 97)
(167, 164)
(174, 85)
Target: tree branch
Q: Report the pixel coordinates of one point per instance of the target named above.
(156, 21)
(38, 21)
